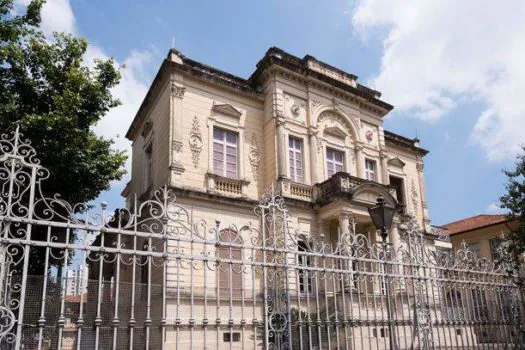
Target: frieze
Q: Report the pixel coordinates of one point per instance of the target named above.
(195, 142)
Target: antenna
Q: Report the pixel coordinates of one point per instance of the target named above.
(173, 41)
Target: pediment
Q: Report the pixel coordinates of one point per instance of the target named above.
(335, 131)
(226, 109)
(396, 162)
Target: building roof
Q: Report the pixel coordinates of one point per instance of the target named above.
(405, 142)
(473, 223)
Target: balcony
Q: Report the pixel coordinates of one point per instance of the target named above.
(340, 185)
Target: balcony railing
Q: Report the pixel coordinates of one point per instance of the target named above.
(339, 185)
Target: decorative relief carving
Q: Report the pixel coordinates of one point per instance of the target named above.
(255, 157)
(177, 91)
(415, 201)
(319, 142)
(295, 108)
(420, 167)
(195, 141)
(147, 128)
(335, 118)
(369, 136)
(176, 146)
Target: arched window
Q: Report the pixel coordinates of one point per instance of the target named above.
(229, 272)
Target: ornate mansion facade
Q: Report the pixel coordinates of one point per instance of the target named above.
(310, 133)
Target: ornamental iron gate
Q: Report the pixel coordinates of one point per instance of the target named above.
(156, 277)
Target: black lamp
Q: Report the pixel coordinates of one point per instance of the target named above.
(382, 216)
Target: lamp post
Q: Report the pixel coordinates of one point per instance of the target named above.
(382, 216)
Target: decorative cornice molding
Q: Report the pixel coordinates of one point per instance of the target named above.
(195, 142)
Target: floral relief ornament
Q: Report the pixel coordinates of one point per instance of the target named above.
(195, 142)
(414, 197)
(255, 156)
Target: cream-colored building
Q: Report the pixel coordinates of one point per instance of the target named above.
(300, 125)
(219, 141)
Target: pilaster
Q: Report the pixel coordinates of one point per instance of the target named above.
(176, 115)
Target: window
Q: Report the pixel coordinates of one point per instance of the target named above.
(495, 243)
(383, 332)
(370, 169)
(148, 167)
(334, 162)
(231, 337)
(474, 248)
(305, 276)
(225, 154)
(397, 184)
(295, 147)
(229, 273)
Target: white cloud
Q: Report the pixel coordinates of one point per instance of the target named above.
(57, 15)
(494, 208)
(439, 53)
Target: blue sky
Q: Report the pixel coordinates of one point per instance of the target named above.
(453, 75)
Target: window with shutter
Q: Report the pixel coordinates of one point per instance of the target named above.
(225, 153)
(370, 170)
(334, 162)
(230, 270)
(295, 148)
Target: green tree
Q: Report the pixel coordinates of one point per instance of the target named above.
(47, 88)
(514, 202)
(57, 99)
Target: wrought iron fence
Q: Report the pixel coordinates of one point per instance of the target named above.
(156, 277)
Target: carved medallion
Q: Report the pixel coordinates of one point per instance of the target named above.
(195, 142)
(369, 135)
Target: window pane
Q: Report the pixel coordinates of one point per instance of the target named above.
(231, 137)
(218, 134)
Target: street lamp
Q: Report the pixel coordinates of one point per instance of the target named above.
(382, 216)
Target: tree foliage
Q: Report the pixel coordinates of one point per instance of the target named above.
(56, 97)
(514, 202)
(49, 90)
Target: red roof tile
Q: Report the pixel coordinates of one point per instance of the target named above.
(473, 222)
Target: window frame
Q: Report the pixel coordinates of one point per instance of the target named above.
(234, 245)
(333, 161)
(224, 143)
(293, 174)
(367, 171)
